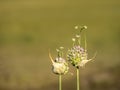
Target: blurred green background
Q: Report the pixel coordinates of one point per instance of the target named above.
(29, 28)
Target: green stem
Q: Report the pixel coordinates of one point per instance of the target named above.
(85, 43)
(78, 82)
(60, 82)
(79, 41)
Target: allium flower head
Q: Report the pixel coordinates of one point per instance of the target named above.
(77, 55)
(59, 65)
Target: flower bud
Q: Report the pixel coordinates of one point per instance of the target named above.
(59, 66)
(76, 27)
(73, 39)
(85, 27)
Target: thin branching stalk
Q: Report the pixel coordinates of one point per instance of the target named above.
(60, 82)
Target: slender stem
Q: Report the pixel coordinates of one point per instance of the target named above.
(78, 82)
(60, 82)
(85, 43)
(79, 41)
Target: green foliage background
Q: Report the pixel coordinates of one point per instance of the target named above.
(29, 28)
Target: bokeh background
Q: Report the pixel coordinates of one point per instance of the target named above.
(29, 28)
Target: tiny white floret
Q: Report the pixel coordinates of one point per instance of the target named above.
(73, 39)
(76, 27)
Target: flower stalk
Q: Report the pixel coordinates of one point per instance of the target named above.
(59, 66)
(60, 82)
(78, 81)
(78, 55)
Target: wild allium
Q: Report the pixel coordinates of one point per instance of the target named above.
(59, 65)
(78, 55)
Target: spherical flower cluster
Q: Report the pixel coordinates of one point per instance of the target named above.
(77, 56)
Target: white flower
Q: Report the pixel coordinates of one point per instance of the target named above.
(77, 56)
(59, 66)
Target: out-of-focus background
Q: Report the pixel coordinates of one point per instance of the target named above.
(29, 28)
